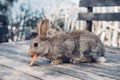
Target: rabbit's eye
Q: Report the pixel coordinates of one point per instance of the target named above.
(35, 44)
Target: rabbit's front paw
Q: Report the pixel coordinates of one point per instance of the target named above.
(57, 61)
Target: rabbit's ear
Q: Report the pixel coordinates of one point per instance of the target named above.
(43, 29)
(38, 27)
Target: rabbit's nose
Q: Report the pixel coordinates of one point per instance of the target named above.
(35, 44)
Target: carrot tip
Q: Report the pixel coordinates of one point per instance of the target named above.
(33, 59)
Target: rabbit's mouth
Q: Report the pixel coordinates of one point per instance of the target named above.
(34, 57)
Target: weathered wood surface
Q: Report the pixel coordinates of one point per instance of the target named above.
(94, 3)
(14, 60)
(99, 16)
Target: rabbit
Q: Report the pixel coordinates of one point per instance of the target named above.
(77, 46)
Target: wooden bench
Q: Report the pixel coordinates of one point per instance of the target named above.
(14, 65)
(90, 16)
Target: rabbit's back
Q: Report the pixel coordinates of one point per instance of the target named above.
(77, 43)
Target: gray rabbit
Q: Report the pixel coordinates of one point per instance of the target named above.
(76, 46)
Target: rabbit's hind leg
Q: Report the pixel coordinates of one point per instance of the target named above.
(81, 60)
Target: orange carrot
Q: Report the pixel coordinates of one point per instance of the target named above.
(33, 59)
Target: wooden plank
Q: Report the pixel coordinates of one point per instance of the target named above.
(93, 3)
(97, 69)
(7, 73)
(85, 75)
(114, 50)
(41, 73)
(99, 16)
(79, 73)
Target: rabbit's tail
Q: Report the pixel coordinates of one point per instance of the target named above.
(101, 56)
(101, 59)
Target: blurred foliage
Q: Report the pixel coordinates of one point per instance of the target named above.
(5, 4)
(19, 26)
